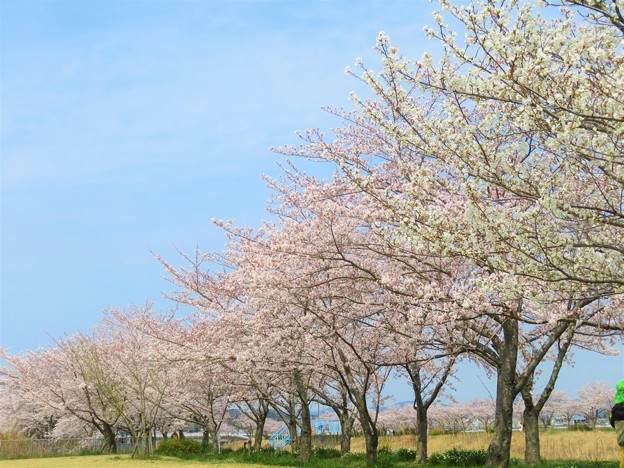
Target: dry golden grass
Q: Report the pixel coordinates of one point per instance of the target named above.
(555, 444)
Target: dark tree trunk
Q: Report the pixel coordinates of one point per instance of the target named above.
(260, 415)
(346, 429)
(531, 435)
(110, 443)
(214, 439)
(423, 402)
(421, 435)
(259, 433)
(500, 446)
(357, 394)
(305, 439)
(292, 432)
(532, 455)
(371, 437)
(369, 430)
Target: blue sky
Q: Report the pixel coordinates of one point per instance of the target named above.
(127, 126)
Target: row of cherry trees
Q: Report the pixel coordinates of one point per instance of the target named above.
(475, 212)
(592, 403)
(137, 372)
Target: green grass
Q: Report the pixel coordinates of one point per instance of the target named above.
(119, 461)
(245, 460)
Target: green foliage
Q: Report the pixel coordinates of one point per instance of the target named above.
(355, 456)
(384, 449)
(268, 456)
(459, 457)
(325, 452)
(579, 464)
(87, 452)
(385, 460)
(405, 454)
(438, 431)
(178, 447)
(582, 427)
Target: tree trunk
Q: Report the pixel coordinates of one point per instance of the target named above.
(205, 438)
(369, 430)
(500, 446)
(292, 432)
(259, 433)
(422, 403)
(305, 439)
(531, 436)
(421, 435)
(371, 437)
(346, 429)
(181, 434)
(532, 410)
(214, 438)
(110, 443)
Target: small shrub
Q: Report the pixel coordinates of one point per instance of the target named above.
(354, 456)
(87, 452)
(385, 460)
(227, 450)
(405, 454)
(178, 446)
(326, 452)
(439, 431)
(459, 457)
(581, 427)
(385, 448)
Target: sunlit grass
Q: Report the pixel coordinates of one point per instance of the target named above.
(555, 444)
(122, 461)
(594, 446)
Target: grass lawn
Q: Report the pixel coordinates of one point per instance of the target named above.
(121, 461)
(561, 449)
(124, 461)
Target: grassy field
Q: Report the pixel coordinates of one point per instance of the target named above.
(118, 461)
(585, 449)
(555, 444)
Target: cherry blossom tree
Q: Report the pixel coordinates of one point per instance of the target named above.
(482, 410)
(397, 419)
(66, 380)
(254, 411)
(19, 412)
(334, 394)
(594, 399)
(552, 408)
(204, 390)
(286, 282)
(135, 365)
(482, 158)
